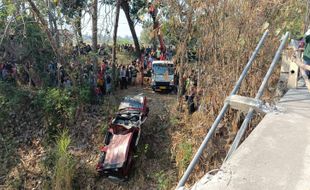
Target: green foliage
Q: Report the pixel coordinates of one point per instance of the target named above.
(186, 150)
(146, 36)
(85, 94)
(163, 181)
(104, 127)
(58, 106)
(137, 8)
(146, 148)
(17, 183)
(65, 164)
(11, 98)
(71, 7)
(174, 120)
(121, 41)
(27, 43)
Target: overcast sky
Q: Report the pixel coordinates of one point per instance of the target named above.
(123, 28)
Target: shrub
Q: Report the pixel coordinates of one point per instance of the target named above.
(65, 165)
(185, 153)
(85, 94)
(58, 107)
(162, 180)
(12, 99)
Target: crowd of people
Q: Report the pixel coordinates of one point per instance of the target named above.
(127, 74)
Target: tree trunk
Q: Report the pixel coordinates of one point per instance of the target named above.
(114, 76)
(78, 25)
(181, 78)
(126, 9)
(95, 35)
(52, 20)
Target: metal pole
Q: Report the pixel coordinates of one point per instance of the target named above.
(249, 64)
(259, 94)
(221, 114)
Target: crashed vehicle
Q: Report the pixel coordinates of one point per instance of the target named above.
(122, 138)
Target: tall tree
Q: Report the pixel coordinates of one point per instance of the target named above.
(52, 20)
(78, 24)
(131, 10)
(95, 34)
(126, 9)
(49, 36)
(48, 32)
(114, 76)
(73, 9)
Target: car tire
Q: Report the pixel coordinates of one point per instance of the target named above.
(107, 138)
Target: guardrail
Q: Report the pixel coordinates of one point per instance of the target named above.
(221, 114)
(226, 106)
(259, 94)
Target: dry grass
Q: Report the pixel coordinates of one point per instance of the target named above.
(232, 34)
(64, 169)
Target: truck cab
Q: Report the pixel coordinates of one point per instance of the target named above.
(162, 76)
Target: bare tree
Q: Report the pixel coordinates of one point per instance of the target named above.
(126, 9)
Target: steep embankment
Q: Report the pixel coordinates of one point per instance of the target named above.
(28, 156)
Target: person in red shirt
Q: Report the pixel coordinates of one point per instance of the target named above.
(162, 57)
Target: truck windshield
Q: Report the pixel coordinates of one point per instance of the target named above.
(163, 69)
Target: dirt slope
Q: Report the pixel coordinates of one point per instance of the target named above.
(26, 153)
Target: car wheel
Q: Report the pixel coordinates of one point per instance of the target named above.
(107, 138)
(129, 163)
(147, 111)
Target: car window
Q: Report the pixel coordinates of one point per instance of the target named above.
(161, 69)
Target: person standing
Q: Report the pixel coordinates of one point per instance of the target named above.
(141, 73)
(190, 101)
(158, 52)
(134, 75)
(306, 56)
(118, 79)
(128, 75)
(108, 84)
(123, 77)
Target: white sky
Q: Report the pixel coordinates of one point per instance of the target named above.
(103, 18)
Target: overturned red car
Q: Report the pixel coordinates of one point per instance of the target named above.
(122, 138)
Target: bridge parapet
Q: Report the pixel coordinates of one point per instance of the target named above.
(275, 156)
(290, 73)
